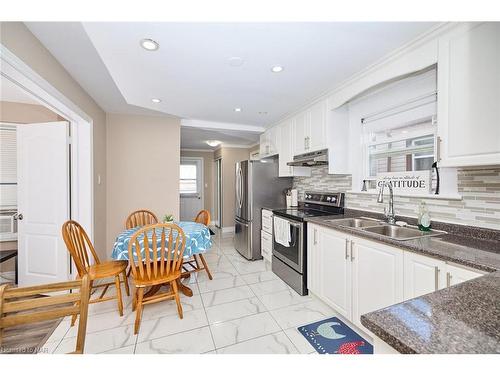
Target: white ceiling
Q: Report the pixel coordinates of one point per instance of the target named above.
(191, 74)
(10, 92)
(195, 138)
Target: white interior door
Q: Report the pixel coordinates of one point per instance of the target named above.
(191, 187)
(43, 202)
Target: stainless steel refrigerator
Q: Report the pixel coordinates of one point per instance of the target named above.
(257, 186)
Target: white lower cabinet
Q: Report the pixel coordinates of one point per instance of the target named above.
(377, 277)
(457, 274)
(356, 276)
(422, 275)
(335, 269)
(266, 245)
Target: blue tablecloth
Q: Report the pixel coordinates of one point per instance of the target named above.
(197, 240)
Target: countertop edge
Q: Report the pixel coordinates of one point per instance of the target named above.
(403, 245)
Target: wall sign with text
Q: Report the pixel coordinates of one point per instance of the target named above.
(416, 182)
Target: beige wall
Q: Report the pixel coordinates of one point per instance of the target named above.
(23, 113)
(143, 156)
(208, 176)
(253, 150)
(19, 40)
(230, 156)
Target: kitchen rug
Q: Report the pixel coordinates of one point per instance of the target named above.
(333, 336)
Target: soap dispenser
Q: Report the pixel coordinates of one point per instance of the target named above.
(424, 218)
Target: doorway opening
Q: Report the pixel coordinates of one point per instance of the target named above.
(218, 193)
(53, 167)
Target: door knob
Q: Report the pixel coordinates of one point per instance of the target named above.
(18, 216)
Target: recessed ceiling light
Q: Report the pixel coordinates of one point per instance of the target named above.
(213, 143)
(235, 61)
(156, 100)
(149, 44)
(277, 69)
(237, 109)
(262, 113)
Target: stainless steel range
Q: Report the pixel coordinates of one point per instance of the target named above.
(290, 262)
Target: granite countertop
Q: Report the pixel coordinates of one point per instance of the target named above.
(475, 248)
(464, 318)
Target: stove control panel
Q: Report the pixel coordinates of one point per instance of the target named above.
(331, 199)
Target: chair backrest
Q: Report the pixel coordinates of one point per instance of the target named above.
(203, 217)
(165, 243)
(20, 306)
(79, 245)
(140, 218)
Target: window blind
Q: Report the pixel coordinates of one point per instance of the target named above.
(8, 166)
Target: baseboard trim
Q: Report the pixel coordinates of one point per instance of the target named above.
(227, 229)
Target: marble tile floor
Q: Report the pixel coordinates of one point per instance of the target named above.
(244, 309)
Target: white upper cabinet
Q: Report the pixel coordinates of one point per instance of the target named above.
(469, 95)
(300, 130)
(317, 127)
(269, 142)
(284, 131)
(310, 129)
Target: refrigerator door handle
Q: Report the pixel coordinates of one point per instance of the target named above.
(241, 187)
(238, 192)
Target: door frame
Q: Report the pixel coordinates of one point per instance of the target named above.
(81, 134)
(218, 190)
(197, 158)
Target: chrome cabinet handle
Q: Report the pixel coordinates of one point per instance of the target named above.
(448, 279)
(346, 251)
(315, 236)
(352, 252)
(436, 278)
(438, 148)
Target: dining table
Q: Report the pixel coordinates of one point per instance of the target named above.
(198, 241)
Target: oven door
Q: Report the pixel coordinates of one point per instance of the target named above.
(292, 255)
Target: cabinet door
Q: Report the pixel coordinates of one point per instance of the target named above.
(318, 136)
(301, 133)
(273, 138)
(422, 275)
(285, 149)
(313, 260)
(377, 277)
(285, 141)
(264, 144)
(469, 95)
(456, 275)
(335, 272)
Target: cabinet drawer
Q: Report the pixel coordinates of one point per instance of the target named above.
(267, 221)
(266, 244)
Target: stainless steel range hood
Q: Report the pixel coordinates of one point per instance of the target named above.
(311, 159)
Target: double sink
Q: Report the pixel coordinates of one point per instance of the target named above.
(381, 228)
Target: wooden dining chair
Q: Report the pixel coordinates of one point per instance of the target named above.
(88, 263)
(155, 258)
(140, 218)
(34, 304)
(193, 264)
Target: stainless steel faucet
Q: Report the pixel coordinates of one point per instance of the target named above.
(391, 217)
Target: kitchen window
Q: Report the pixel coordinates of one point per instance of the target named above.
(407, 148)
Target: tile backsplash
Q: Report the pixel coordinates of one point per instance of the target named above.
(479, 206)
